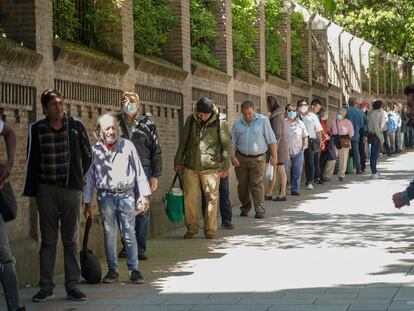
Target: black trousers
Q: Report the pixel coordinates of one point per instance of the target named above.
(225, 205)
(362, 153)
(309, 166)
(322, 162)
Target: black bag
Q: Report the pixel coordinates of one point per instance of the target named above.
(314, 145)
(8, 204)
(91, 268)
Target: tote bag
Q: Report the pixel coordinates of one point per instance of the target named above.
(174, 201)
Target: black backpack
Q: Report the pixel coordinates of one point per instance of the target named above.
(90, 265)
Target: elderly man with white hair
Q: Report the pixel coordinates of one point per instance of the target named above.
(117, 174)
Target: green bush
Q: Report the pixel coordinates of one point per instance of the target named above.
(244, 35)
(297, 33)
(65, 19)
(153, 22)
(373, 72)
(273, 10)
(203, 31)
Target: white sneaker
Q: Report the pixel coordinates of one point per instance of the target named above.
(375, 176)
(309, 187)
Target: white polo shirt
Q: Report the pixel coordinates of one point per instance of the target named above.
(294, 134)
(1, 126)
(312, 124)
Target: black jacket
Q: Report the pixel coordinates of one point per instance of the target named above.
(143, 134)
(80, 156)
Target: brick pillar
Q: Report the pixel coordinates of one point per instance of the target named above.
(284, 32)
(260, 41)
(178, 49)
(223, 49)
(307, 51)
(19, 21)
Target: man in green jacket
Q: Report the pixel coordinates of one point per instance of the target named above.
(203, 156)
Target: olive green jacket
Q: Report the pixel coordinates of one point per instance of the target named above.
(206, 151)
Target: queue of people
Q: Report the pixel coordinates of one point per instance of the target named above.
(63, 170)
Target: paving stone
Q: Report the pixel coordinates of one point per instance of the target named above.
(231, 308)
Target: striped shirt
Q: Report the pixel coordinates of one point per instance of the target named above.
(54, 153)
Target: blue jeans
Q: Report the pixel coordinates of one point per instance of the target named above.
(120, 207)
(355, 154)
(297, 165)
(142, 222)
(375, 151)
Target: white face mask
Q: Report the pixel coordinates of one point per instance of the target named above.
(130, 107)
(303, 109)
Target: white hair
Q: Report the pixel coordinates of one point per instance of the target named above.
(98, 127)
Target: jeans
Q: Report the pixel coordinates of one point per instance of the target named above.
(296, 161)
(355, 154)
(142, 222)
(309, 166)
(8, 276)
(225, 205)
(375, 151)
(363, 153)
(386, 146)
(118, 206)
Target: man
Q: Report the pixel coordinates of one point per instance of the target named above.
(363, 136)
(376, 123)
(404, 121)
(356, 117)
(8, 276)
(203, 155)
(59, 155)
(141, 130)
(252, 135)
(314, 129)
(117, 173)
(315, 107)
(399, 135)
(297, 141)
(393, 124)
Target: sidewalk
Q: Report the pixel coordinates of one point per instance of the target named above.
(342, 246)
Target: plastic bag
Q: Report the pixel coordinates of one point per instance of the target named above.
(269, 171)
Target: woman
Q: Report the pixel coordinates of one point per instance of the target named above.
(325, 140)
(341, 131)
(277, 122)
(296, 137)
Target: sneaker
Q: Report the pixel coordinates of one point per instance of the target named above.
(76, 295)
(43, 295)
(136, 277)
(111, 277)
(244, 214)
(309, 187)
(341, 178)
(319, 181)
(142, 256)
(259, 215)
(227, 225)
(375, 176)
(280, 199)
(123, 253)
(295, 193)
(188, 235)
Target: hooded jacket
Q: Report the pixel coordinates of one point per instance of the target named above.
(200, 146)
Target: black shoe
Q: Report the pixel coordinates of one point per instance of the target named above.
(76, 295)
(295, 193)
(359, 172)
(325, 179)
(341, 179)
(42, 295)
(227, 225)
(21, 308)
(244, 214)
(136, 277)
(268, 198)
(111, 277)
(319, 182)
(280, 199)
(123, 253)
(259, 215)
(142, 256)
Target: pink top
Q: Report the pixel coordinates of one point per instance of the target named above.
(344, 126)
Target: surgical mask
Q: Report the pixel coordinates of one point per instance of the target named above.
(130, 107)
(303, 109)
(324, 117)
(291, 114)
(339, 117)
(364, 109)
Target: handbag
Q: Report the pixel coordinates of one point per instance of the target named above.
(8, 204)
(90, 266)
(350, 166)
(174, 201)
(344, 140)
(314, 145)
(331, 150)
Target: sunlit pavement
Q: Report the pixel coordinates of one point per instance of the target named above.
(342, 246)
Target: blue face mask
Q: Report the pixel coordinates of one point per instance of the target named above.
(130, 107)
(339, 117)
(291, 114)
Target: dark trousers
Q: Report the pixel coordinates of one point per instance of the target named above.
(362, 153)
(375, 151)
(386, 147)
(322, 162)
(398, 140)
(317, 165)
(356, 154)
(59, 205)
(225, 205)
(309, 166)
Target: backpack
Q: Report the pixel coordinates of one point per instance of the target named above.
(392, 125)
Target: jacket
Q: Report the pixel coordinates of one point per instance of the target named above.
(80, 156)
(277, 121)
(200, 146)
(143, 134)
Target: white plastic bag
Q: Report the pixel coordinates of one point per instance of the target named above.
(269, 171)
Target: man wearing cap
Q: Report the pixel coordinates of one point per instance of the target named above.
(203, 155)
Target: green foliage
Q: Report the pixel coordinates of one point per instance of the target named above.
(387, 24)
(203, 31)
(373, 72)
(153, 22)
(297, 33)
(244, 34)
(273, 10)
(65, 20)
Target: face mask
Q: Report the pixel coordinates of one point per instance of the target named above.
(130, 107)
(324, 117)
(303, 109)
(364, 109)
(291, 114)
(339, 117)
